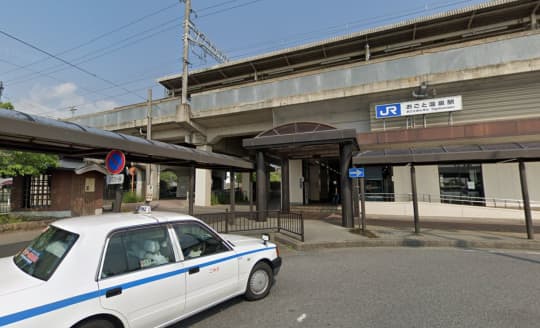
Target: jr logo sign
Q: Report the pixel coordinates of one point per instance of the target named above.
(388, 110)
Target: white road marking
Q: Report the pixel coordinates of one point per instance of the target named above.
(302, 317)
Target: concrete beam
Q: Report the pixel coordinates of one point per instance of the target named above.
(461, 70)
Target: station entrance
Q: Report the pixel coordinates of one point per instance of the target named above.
(314, 160)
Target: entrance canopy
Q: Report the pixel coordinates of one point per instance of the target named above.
(489, 153)
(26, 132)
(303, 140)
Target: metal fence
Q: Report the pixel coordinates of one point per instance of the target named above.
(5, 205)
(452, 199)
(226, 222)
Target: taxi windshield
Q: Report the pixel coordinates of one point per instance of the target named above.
(41, 258)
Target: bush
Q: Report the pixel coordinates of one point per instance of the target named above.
(131, 197)
(223, 197)
(8, 218)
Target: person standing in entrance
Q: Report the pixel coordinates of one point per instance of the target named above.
(335, 193)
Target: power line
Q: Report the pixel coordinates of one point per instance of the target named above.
(262, 46)
(98, 37)
(55, 69)
(97, 92)
(65, 61)
(84, 59)
(231, 8)
(332, 29)
(47, 111)
(89, 91)
(216, 5)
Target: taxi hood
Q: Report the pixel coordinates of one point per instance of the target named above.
(13, 279)
(241, 240)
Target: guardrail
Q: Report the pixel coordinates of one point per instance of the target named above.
(226, 222)
(452, 199)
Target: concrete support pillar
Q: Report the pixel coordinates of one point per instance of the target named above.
(203, 187)
(262, 191)
(296, 185)
(139, 183)
(245, 185)
(155, 181)
(345, 156)
(526, 200)
(203, 183)
(285, 193)
(182, 180)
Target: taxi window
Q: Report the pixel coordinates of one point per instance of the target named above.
(41, 258)
(133, 250)
(197, 240)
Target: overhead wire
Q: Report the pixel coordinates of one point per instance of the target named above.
(104, 51)
(230, 8)
(65, 62)
(337, 28)
(137, 37)
(88, 91)
(83, 70)
(100, 36)
(331, 29)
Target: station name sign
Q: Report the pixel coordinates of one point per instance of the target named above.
(419, 107)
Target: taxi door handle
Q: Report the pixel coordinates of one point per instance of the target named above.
(193, 270)
(113, 292)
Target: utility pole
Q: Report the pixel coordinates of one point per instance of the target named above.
(1, 90)
(185, 59)
(149, 188)
(192, 34)
(72, 109)
(204, 43)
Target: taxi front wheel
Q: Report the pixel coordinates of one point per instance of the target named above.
(259, 282)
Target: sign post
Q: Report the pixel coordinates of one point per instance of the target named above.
(115, 161)
(359, 173)
(363, 204)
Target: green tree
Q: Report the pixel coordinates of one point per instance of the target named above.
(14, 163)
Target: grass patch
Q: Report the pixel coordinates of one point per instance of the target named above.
(361, 232)
(6, 218)
(131, 197)
(10, 218)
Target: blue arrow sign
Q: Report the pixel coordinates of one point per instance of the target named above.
(356, 172)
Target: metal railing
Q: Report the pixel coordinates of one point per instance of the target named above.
(5, 206)
(226, 222)
(452, 199)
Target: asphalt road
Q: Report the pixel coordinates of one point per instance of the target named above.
(392, 287)
(389, 287)
(11, 249)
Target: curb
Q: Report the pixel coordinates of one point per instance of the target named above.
(409, 242)
(28, 225)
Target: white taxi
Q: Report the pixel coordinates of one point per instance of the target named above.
(130, 270)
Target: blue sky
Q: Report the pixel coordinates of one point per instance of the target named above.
(127, 45)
